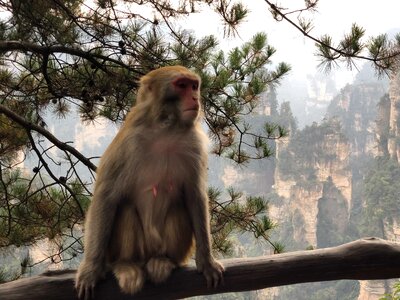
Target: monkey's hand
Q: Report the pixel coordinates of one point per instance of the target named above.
(211, 269)
(87, 276)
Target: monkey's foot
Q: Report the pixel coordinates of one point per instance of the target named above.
(212, 271)
(130, 277)
(159, 269)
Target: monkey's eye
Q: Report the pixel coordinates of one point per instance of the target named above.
(182, 85)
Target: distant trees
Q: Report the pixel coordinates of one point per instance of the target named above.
(381, 189)
(394, 295)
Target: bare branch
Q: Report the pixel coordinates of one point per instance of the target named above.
(61, 145)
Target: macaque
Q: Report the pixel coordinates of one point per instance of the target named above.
(150, 204)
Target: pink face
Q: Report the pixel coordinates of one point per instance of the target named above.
(188, 89)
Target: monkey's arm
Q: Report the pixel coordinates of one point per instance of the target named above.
(98, 227)
(197, 203)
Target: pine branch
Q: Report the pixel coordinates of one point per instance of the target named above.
(6, 46)
(340, 53)
(61, 145)
(46, 166)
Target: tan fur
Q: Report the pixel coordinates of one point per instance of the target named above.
(150, 199)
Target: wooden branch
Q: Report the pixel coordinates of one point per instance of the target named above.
(93, 57)
(364, 259)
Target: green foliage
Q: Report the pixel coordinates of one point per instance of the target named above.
(6, 276)
(381, 51)
(286, 118)
(309, 148)
(332, 206)
(394, 295)
(232, 14)
(383, 124)
(381, 46)
(250, 295)
(32, 211)
(351, 44)
(231, 90)
(12, 139)
(239, 214)
(363, 99)
(31, 19)
(381, 188)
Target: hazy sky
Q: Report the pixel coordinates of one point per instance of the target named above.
(333, 17)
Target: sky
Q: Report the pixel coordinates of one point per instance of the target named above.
(333, 17)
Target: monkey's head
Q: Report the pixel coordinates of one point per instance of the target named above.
(172, 95)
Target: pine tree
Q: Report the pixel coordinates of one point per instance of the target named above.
(61, 57)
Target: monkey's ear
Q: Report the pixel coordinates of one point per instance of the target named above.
(145, 83)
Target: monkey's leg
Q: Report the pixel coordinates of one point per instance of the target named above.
(198, 210)
(130, 276)
(127, 246)
(177, 241)
(159, 268)
(178, 235)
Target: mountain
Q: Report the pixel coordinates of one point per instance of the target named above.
(337, 180)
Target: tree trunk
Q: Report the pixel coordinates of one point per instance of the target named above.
(364, 259)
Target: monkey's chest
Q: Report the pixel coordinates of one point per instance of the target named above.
(164, 175)
(161, 190)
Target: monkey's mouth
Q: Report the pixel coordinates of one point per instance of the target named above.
(193, 108)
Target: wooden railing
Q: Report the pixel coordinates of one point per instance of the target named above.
(368, 258)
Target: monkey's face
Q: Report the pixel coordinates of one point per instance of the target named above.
(172, 95)
(181, 101)
(188, 89)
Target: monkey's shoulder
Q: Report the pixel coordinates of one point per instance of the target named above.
(178, 144)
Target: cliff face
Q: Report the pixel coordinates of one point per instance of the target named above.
(313, 177)
(383, 125)
(329, 177)
(372, 290)
(356, 108)
(388, 142)
(394, 117)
